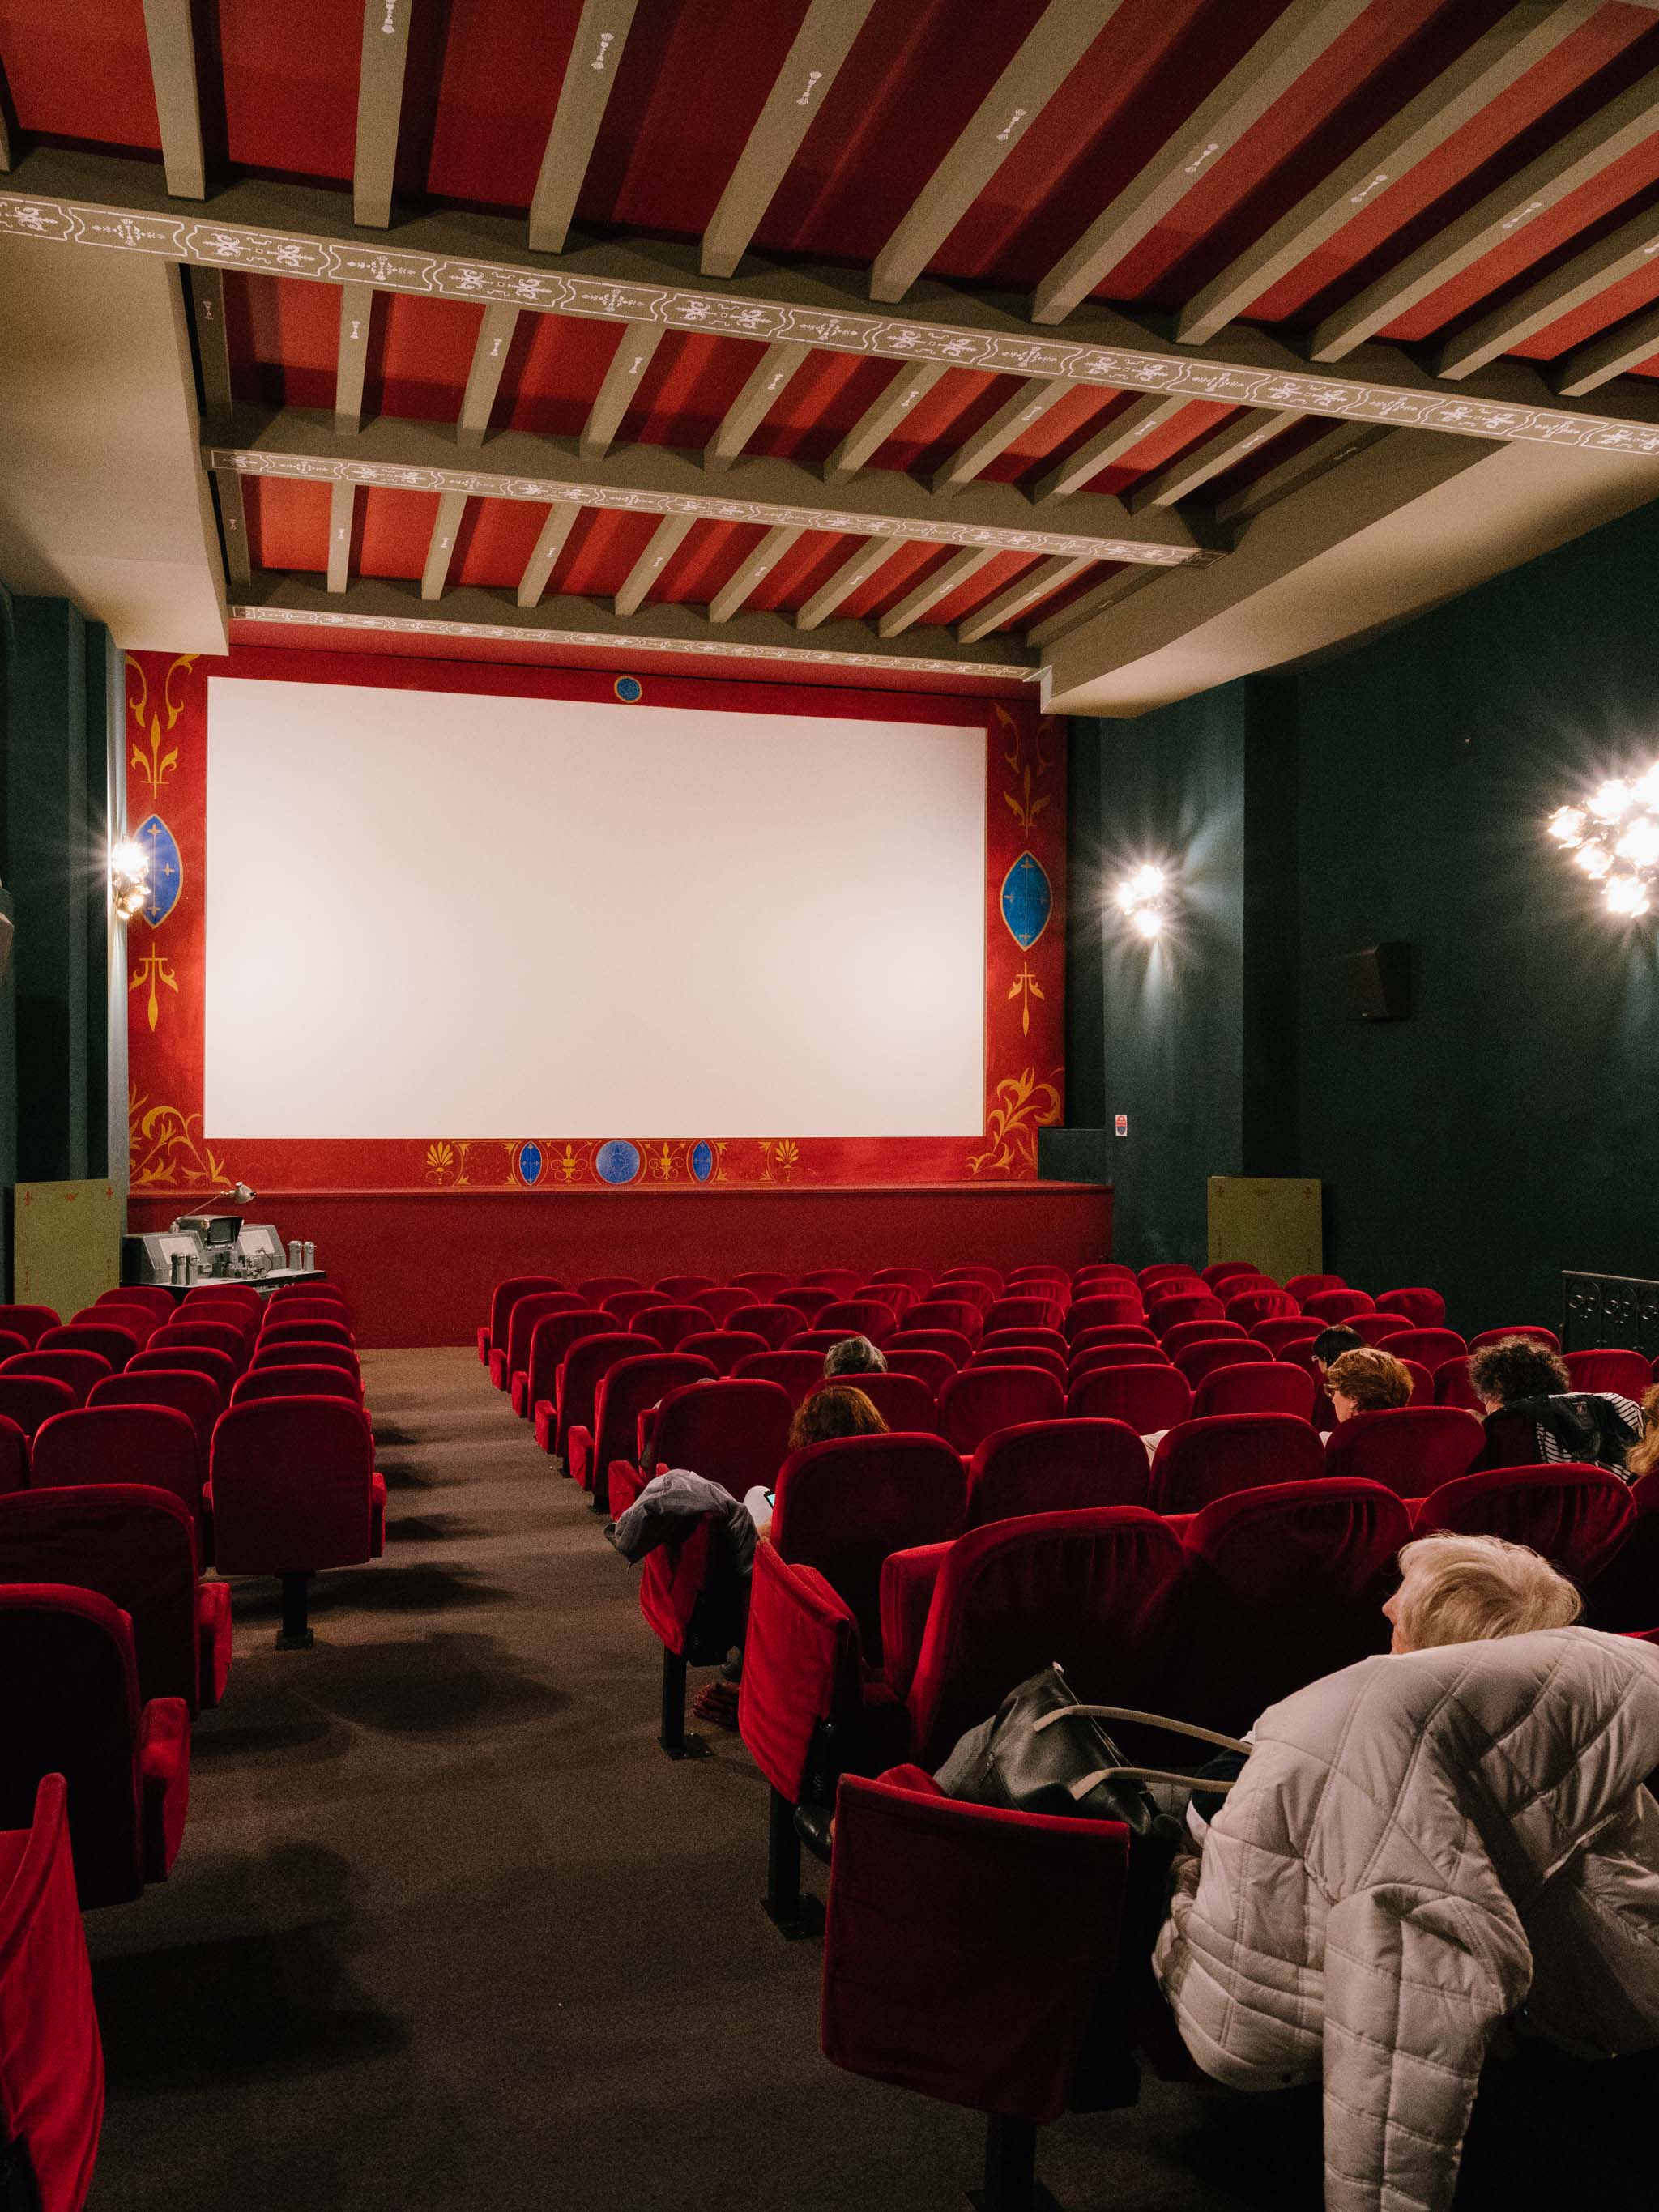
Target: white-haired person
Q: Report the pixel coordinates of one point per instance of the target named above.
(1419, 1851)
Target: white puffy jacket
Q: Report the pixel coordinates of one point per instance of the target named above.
(1417, 1847)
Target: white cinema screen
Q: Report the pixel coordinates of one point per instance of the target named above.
(430, 913)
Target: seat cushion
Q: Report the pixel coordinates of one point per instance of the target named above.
(164, 1782)
(376, 1514)
(213, 1636)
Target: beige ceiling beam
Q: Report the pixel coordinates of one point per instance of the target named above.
(441, 548)
(94, 201)
(561, 519)
(1340, 443)
(1125, 431)
(734, 593)
(380, 105)
(880, 421)
(846, 581)
(635, 349)
(1292, 43)
(961, 569)
(1029, 404)
(351, 356)
(5, 133)
(823, 43)
(342, 504)
(1230, 443)
(1038, 583)
(1523, 36)
(233, 525)
(1051, 50)
(483, 378)
(666, 540)
(766, 639)
(1626, 346)
(589, 75)
(1084, 608)
(206, 299)
(754, 403)
(1634, 245)
(414, 456)
(172, 42)
(1575, 161)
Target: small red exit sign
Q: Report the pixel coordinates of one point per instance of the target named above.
(1121, 1125)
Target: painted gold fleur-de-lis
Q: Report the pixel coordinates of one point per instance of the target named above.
(1025, 988)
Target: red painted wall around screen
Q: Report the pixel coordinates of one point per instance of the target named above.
(166, 795)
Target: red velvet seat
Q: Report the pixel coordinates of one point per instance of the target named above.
(1201, 1460)
(1534, 1329)
(765, 1283)
(627, 1390)
(1378, 1328)
(196, 1396)
(1281, 1330)
(723, 1347)
(1227, 1270)
(843, 1507)
(1022, 1355)
(1203, 1332)
(1302, 1287)
(722, 1303)
(1577, 1517)
(961, 1315)
(1410, 1449)
(153, 1445)
(1099, 1356)
(534, 1306)
(1431, 1348)
(1327, 1306)
(135, 1544)
(156, 1301)
(586, 1364)
(679, 1289)
(264, 1386)
(26, 1401)
(905, 1403)
(14, 1456)
(998, 2024)
(51, 2063)
(1249, 1307)
(549, 1341)
(919, 1279)
(30, 1322)
(990, 1279)
(1032, 1311)
(858, 1318)
(1103, 1275)
(1623, 1595)
(1056, 1467)
(818, 1341)
(594, 1290)
(1039, 1271)
(293, 1491)
(192, 1358)
(305, 1332)
(622, 1305)
(933, 1367)
(668, 1326)
(217, 1291)
(1288, 1581)
(730, 1432)
(224, 1313)
(1452, 1386)
(1626, 1373)
(1104, 1311)
(777, 1324)
(78, 1370)
(1422, 1382)
(1422, 1307)
(1197, 1360)
(72, 1708)
(797, 1372)
(493, 1336)
(1169, 1271)
(808, 1301)
(1166, 1313)
(1051, 1339)
(302, 1352)
(1117, 1332)
(1268, 1385)
(11, 1345)
(1149, 1397)
(842, 1281)
(897, 1298)
(298, 1306)
(955, 1347)
(204, 1335)
(978, 1401)
(139, 1322)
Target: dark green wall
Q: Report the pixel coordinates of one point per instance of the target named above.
(1510, 1127)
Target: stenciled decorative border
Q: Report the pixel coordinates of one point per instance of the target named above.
(276, 253)
(172, 1151)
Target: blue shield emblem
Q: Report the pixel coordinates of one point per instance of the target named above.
(616, 1161)
(167, 869)
(702, 1161)
(530, 1164)
(1027, 900)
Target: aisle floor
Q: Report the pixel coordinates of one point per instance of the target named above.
(448, 1930)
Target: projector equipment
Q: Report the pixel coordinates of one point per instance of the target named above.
(296, 1254)
(216, 1235)
(1379, 983)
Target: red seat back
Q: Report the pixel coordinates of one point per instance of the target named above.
(820, 1340)
(808, 1300)
(194, 1358)
(935, 1369)
(1118, 1332)
(1378, 1328)
(723, 1347)
(858, 1318)
(209, 1335)
(1099, 1356)
(720, 1304)
(631, 1387)
(222, 1292)
(1431, 1348)
(1229, 1271)
(1166, 1313)
(667, 1326)
(139, 1322)
(1197, 1360)
(1410, 1449)
(1576, 1516)
(594, 1290)
(799, 1373)
(1203, 1332)
(1534, 1329)
(842, 1281)
(1329, 1306)
(1102, 1311)
(765, 1283)
(79, 1371)
(292, 1487)
(293, 1305)
(988, 1279)
(1022, 1355)
(677, 1289)
(306, 1351)
(528, 1312)
(979, 1401)
(1281, 1330)
(1452, 1386)
(1148, 1397)
(1032, 1311)
(1052, 1339)
(15, 1455)
(71, 1708)
(777, 1324)
(1250, 1307)
(133, 1544)
(260, 1386)
(622, 1305)
(1626, 1373)
(1268, 1386)
(586, 1364)
(1096, 1591)
(1422, 1382)
(30, 1322)
(1202, 1461)
(504, 1298)
(843, 1506)
(730, 1433)
(305, 1331)
(158, 1302)
(197, 1397)
(1056, 1467)
(1422, 1307)
(1287, 1583)
(1624, 1594)
(951, 1342)
(905, 1403)
(1303, 1287)
(960, 1314)
(155, 1446)
(26, 1401)
(549, 1344)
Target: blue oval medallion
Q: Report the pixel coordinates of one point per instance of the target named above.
(703, 1162)
(530, 1164)
(167, 868)
(628, 690)
(1027, 900)
(616, 1161)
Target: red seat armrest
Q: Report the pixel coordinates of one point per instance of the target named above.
(164, 1781)
(498, 1368)
(623, 1483)
(213, 1629)
(907, 1595)
(376, 1514)
(483, 1347)
(579, 1464)
(800, 1668)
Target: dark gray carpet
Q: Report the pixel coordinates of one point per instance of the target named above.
(448, 1930)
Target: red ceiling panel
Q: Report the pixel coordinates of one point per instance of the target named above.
(391, 531)
(814, 557)
(690, 383)
(940, 420)
(287, 522)
(822, 401)
(420, 352)
(283, 337)
(556, 366)
(1267, 456)
(80, 68)
(289, 69)
(710, 555)
(602, 548)
(503, 64)
(1148, 455)
(1072, 422)
(1637, 290)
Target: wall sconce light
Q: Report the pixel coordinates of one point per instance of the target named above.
(129, 878)
(1614, 837)
(1140, 898)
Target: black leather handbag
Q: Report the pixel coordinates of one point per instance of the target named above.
(1044, 1751)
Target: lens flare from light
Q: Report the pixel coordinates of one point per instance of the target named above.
(1148, 920)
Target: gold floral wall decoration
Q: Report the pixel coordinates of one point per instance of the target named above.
(1025, 988)
(153, 764)
(155, 970)
(163, 1142)
(1023, 1106)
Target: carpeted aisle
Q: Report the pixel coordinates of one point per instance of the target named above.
(448, 1930)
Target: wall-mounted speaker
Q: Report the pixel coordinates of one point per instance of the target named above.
(1378, 983)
